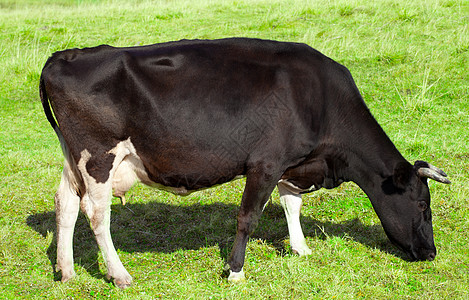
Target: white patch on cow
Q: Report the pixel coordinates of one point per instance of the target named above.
(236, 277)
(291, 204)
(295, 189)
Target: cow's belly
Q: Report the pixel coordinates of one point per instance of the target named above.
(178, 177)
(132, 169)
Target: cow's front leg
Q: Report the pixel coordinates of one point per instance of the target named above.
(291, 203)
(97, 206)
(255, 196)
(67, 203)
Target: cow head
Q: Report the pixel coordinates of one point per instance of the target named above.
(404, 209)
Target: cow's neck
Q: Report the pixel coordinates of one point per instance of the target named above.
(369, 154)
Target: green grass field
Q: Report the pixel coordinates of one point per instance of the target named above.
(409, 59)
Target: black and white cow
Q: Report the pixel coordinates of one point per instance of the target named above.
(187, 115)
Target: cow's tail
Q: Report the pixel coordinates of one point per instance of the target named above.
(70, 168)
(46, 106)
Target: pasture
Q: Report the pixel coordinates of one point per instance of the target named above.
(410, 61)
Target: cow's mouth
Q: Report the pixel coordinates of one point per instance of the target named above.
(420, 254)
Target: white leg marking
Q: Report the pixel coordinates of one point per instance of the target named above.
(96, 205)
(291, 203)
(236, 277)
(67, 203)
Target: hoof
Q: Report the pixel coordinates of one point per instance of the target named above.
(122, 283)
(302, 251)
(236, 277)
(66, 276)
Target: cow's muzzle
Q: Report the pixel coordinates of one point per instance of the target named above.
(420, 254)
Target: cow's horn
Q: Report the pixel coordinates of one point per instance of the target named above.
(425, 169)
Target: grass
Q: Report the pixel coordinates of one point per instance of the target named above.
(410, 61)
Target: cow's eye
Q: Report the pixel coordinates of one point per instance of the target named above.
(422, 205)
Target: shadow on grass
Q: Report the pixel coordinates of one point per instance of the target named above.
(159, 227)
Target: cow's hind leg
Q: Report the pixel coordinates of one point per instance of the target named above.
(291, 203)
(67, 203)
(259, 186)
(96, 204)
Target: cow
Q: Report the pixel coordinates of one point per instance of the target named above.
(187, 115)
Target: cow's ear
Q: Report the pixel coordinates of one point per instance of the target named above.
(402, 174)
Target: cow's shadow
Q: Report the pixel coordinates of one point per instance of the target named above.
(167, 228)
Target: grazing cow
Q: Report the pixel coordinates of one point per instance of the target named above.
(188, 115)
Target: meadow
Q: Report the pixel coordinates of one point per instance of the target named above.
(410, 60)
